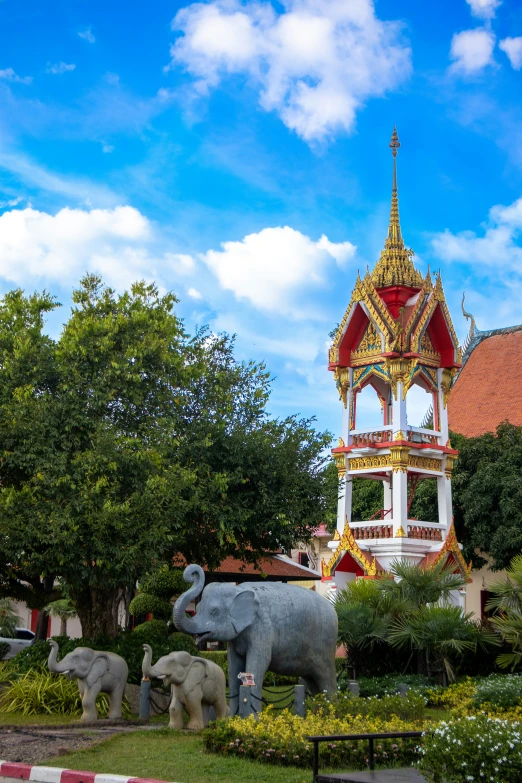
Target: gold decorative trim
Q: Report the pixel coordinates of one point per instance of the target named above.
(446, 383)
(369, 346)
(340, 461)
(451, 545)
(400, 532)
(336, 536)
(425, 463)
(342, 444)
(399, 458)
(450, 461)
(365, 463)
(347, 543)
(342, 381)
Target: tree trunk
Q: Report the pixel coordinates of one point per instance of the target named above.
(63, 626)
(40, 633)
(97, 610)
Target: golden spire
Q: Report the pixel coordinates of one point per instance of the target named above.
(395, 266)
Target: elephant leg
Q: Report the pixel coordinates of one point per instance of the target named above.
(195, 710)
(257, 663)
(236, 664)
(220, 706)
(89, 696)
(115, 702)
(175, 711)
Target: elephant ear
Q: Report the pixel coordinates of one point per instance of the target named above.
(100, 666)
(243, 610)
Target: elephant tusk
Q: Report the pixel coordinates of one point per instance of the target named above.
(160, 676)
(66, 671)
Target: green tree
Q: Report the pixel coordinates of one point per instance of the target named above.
(9, 620)
(488, 495)
(127, 441)
(506, 603)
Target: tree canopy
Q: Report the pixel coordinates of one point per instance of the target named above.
(127, 441)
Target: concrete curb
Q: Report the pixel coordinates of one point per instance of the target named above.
(37, 774)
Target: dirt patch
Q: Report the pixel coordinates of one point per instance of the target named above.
(31, 747)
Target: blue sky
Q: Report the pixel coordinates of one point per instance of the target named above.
(237, 153)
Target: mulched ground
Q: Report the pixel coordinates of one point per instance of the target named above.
(33, 745)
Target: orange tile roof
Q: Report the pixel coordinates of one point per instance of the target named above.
(272, 566)
(488, 389)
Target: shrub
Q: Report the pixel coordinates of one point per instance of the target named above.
(35, 656)
(152, 631)
(143, 603)
(165, 582)
(4, 649)
(38, 692)
(182, 641)
(499, 691)
(457, 694)
(347, 706)
(388, 684)
(280, 738)
(488, 749)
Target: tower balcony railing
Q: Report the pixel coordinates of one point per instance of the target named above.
(370, 529)
(372, 438)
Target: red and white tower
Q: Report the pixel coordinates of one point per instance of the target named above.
(396, 333)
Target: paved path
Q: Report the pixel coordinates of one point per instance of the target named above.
(377, 776)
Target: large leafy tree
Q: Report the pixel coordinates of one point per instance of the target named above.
(128, 441)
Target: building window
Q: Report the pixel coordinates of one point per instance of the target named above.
(304, 560)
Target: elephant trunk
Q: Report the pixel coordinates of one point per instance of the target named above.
(195, 574)
(52, 662)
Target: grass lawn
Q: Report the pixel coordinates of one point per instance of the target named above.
(174, 756)
(15, 719)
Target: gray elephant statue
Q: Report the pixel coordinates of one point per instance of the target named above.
(96, 672)
(268, 625)
(195, 683)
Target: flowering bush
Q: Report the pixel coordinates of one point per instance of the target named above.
(476, 748)
(499, 690)
(454, 695)
(280, 738)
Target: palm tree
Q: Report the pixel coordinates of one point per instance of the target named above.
(506, 602)
(442, 634)
(9, 620)
(64, 609)
(365, 612)
(422, 586)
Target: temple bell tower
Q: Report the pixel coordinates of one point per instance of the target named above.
(396, 333)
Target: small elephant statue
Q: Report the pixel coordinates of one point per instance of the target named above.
(96, 672)
(195, 683)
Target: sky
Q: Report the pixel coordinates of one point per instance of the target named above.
(237, 154)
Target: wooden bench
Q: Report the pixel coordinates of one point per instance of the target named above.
(407, 775)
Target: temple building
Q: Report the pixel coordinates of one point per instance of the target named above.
(396, 334)
(478, 402)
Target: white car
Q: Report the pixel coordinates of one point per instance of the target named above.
(24, 637)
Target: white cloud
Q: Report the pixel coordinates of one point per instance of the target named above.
(270, 267)
(472, 51)
(498, 249)
(485, 9)
(59, 67)
(10, 76)
(315, 64)
(194, 293)
(87, 35)
(39, 246)
(107, 148)
(513, 48)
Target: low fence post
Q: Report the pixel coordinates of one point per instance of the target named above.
(299, 700)
(144, 713)
(354, 687)
(245, 701)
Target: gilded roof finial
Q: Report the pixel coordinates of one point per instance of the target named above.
(395, 266)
